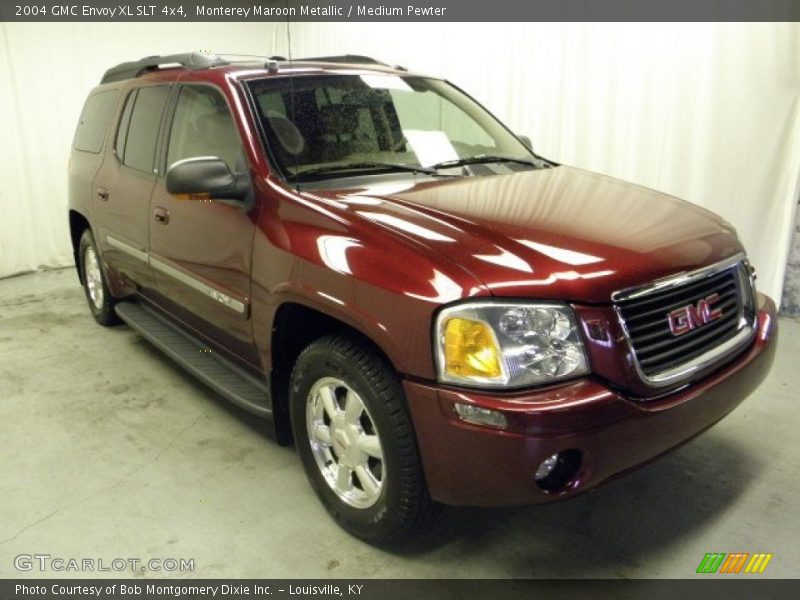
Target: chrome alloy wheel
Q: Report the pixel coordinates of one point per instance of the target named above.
(345, 442)
(94, 278)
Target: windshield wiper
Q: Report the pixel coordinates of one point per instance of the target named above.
(359, 166)
(481, 159)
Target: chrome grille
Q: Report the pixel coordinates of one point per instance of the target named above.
(663, 358)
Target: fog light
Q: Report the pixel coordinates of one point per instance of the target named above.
(480, 416)
(546, 467)
(557, 471)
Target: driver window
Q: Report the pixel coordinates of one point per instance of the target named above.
(203, 126)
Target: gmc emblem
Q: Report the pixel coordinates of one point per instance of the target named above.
(684, 319)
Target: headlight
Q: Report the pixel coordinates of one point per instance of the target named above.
(493, 344)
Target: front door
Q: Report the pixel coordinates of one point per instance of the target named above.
(201, 250)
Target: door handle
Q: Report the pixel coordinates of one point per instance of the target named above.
(161, 215)
(102, 194)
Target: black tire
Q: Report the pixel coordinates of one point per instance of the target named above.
(101, 302)
(403, 504)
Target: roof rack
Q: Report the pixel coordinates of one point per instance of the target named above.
(355, 59)
(191, 61)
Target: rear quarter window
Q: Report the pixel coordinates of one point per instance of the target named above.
(93, 124)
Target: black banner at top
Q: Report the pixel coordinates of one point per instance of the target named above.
(404, 10)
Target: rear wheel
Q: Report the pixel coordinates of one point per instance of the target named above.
(101, 302)
(356, 440)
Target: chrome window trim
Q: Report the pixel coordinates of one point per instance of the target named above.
(685, 371)
(194, 283)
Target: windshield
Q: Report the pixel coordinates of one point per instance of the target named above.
(335, 125)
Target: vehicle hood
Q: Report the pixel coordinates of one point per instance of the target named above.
(552, 233)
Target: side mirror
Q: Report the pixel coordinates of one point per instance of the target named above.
(527, 141)
(207, 177)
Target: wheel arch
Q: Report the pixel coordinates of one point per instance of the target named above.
(78, 223)
(294, 327)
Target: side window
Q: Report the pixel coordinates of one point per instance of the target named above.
(94, 121)
(203, 126)
(145, 118)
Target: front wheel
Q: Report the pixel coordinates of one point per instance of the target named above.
(356, 440)
(101, 302)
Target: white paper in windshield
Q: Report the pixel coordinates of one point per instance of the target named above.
(431, 147)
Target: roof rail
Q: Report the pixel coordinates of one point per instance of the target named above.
(190, 60)
(355, 59)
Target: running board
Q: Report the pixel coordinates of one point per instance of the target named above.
(194, 355)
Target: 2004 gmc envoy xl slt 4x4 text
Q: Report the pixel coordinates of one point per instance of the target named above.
(429, 311)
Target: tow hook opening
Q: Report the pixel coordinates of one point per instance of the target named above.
(556, 471)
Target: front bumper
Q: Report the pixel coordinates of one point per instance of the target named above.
(469, 465)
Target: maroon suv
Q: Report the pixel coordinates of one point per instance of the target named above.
(430, 311)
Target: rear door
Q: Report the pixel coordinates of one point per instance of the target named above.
(87, 147)
(124, 184)
(201, 250)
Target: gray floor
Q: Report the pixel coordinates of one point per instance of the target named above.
(109, 451)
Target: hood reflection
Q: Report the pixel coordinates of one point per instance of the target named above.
(506, 259)
(550, 279)
(562, 254)
(573, 203)
(560, 232)
(445, 289)
(405, 226)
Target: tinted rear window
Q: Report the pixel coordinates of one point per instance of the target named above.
(94, 121)
(140, 143)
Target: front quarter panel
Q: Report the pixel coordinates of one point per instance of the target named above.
(385, 287)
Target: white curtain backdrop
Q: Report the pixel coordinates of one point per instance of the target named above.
(46, 72)
(707, 112)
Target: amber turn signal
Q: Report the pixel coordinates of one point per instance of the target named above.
(470, 349)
